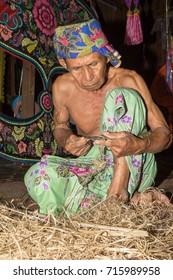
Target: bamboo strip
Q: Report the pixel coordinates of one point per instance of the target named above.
(118, 230)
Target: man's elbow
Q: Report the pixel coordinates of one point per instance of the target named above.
(170, 138)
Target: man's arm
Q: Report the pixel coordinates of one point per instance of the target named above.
(160, 138)
(62, 129)
(62, 132)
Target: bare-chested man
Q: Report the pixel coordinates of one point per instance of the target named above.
(80, 95)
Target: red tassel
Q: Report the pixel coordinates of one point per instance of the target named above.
(137, 29)
(133, 33)
(129, 29)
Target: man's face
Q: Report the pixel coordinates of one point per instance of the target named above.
(89, 71)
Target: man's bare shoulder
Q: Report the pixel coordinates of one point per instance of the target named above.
(126, 78)
(122, 72)
(62, 84)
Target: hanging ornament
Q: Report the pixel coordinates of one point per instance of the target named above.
(133, 33)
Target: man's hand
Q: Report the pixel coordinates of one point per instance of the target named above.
(123, 143)
(78, 146)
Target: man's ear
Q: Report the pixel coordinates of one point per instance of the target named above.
(108, 60)
(62, 63)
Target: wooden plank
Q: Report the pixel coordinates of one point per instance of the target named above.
(28, 90)
(10, 79)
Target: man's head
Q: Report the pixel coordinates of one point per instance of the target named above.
(89, 71)
(81, 39)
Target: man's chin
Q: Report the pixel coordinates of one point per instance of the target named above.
(92, 88)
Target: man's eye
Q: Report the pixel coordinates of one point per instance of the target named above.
(93, 64)
(76, 68)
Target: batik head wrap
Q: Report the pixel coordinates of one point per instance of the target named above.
(80, 39)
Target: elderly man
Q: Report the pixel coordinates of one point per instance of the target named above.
(111, 108)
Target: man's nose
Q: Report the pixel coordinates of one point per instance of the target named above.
(88, 74)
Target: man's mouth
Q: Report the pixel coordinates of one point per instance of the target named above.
(93, 86)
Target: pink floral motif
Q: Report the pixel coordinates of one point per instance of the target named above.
(64, 41)
(119, 99)
(42, 172)
(80, 171)
(87, 202)
(98, 34)
(47, 102)
(45, 17)
(5, 32)
(22, 147)
(84, 204)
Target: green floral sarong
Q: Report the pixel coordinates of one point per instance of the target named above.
(65, 184)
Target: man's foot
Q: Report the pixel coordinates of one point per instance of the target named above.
(149, 196)
(121, 195)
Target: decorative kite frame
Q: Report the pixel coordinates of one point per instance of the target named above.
(26, 31)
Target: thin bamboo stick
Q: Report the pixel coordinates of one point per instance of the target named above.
(118, 230)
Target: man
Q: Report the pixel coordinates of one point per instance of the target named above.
(111, 109)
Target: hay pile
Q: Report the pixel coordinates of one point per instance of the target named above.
(108, 230)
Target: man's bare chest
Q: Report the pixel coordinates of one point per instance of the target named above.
(86, 107)
(86, 112)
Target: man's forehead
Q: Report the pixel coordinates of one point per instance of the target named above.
(85, 59)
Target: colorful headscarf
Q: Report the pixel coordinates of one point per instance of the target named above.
(80, 39)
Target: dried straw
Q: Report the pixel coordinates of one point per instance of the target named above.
(107, 230)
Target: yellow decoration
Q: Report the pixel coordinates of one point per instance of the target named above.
(2, 74)
(18, 133)
(29, 44)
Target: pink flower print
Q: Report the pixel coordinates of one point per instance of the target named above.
(64, 41)
(47, 102)
(45, 17)
(119, 99)
(42, 172)
(108, 119)
(126, 119)
(92, 197)
(80, 171)
(5, 32)
(99, 38)
(22, 147)
(84, 204)
(135, 163)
